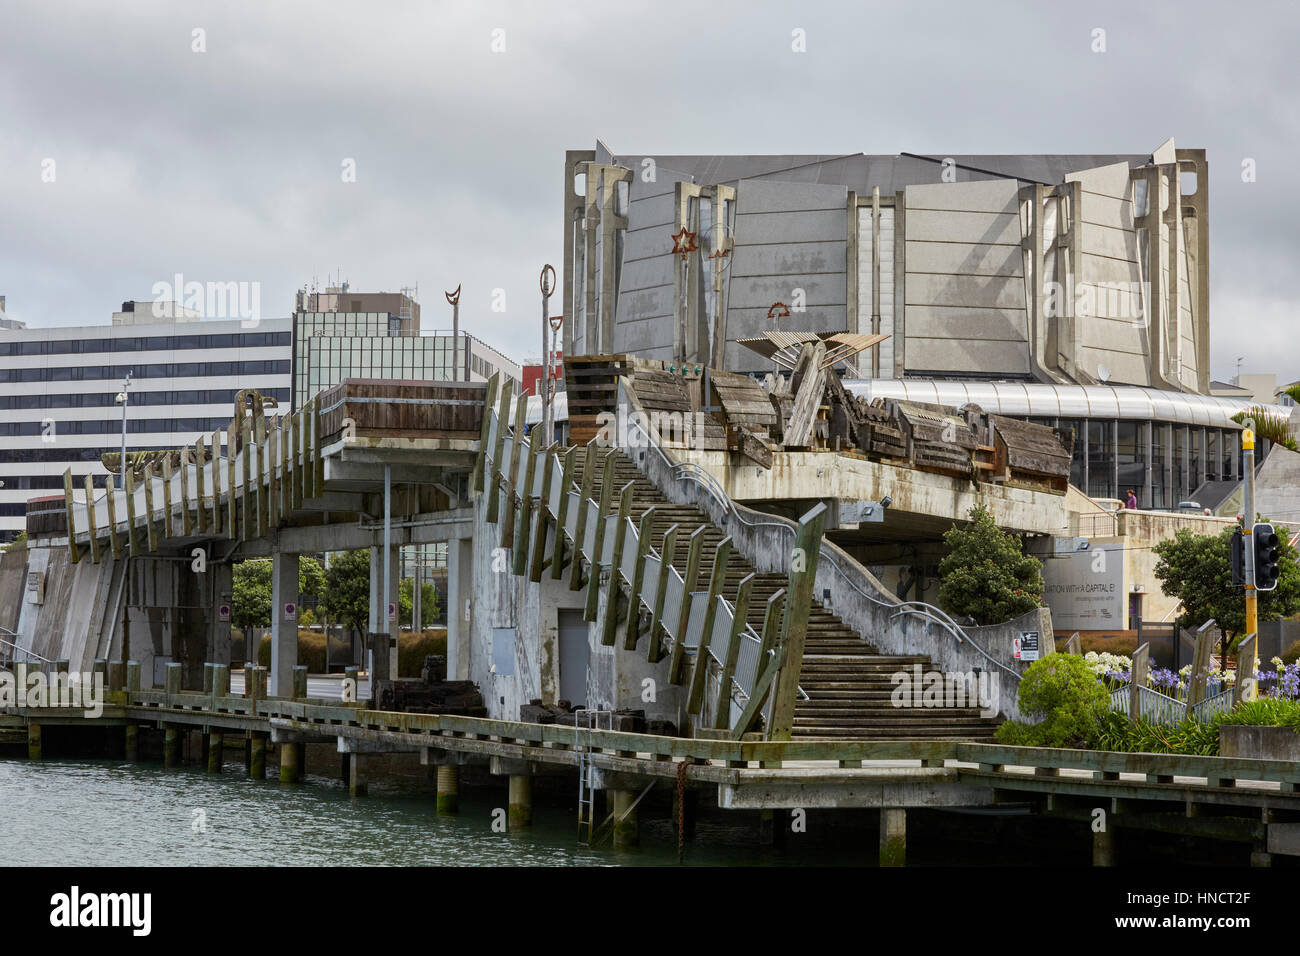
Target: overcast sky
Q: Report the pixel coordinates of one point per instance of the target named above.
(226, 165)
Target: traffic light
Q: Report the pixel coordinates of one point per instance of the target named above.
(1266, 554)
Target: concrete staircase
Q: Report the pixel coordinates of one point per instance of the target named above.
(848, 682)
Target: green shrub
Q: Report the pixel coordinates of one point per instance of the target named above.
(311, 651)
(412, 648)
(1292, 654)
(1016, 733)
(1119, 644)
(1063, 695)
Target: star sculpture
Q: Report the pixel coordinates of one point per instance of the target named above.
(684, 242)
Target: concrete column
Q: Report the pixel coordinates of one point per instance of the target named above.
(460, 588)
(257, 756)
(284, 632)
(358, 785)
(520, 808)
(218, 639)
(132, 747)
(289, 763)
(215, 753)
(448, 788)
(376, 592)
(393, 627)
(171, 746)
(33, 741)
(1103, 848)
(893, 836)
(625, 822)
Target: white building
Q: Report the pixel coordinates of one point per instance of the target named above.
(59, 387)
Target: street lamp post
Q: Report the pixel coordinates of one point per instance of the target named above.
(122, 400)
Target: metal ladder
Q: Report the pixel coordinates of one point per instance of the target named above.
(588, 720)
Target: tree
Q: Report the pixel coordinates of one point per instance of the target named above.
(985, 574)
(18, 542)
(346, 597)
(1197, 570)
(250, 599)
(430, 606)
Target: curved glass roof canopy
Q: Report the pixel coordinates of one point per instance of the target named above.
(1041, 400)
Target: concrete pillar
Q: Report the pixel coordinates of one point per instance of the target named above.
(460, 588)
(215, 753)
(218, 636)
(358, 785)
(284, 629)
(116, 676)
(132, 747)
(448, 788)
(1103, 847)
(289, 763)
(520, 810)
(33, 741)
(393, 627)
(300, 682)
(171, 746)
(893, 836)
(257, 756)
(625, 823)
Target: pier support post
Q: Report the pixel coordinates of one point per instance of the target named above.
(33, 741)
(625, 822)
(520, 809)
(300, 682)
(284, 622)
(171, 746)
(358, 786)
(893, 836)
(1103, 847)
(448, 789)
(289, 772)
(257, 756)
(132, 746)
(215, 753)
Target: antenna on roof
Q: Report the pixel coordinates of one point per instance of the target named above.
(1103, 373)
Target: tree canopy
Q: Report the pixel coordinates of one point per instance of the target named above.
(250, 602)
(1197, 570)
(346, 598)
(430, 605)
(986, 575)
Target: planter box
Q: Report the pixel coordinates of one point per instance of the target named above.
(1259, 742)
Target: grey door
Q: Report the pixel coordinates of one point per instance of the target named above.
(574, 654)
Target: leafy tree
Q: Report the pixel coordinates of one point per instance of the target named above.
(346, 597)
(1197, 570)
(430, 606)
(250, 601)
(986, 575)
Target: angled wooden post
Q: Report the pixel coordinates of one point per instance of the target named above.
(96, 549)
(615, 566)
(632, 633)
(1072, 645)
(762, 686)
(794, 628)
(517, 442)
(167, 475)
(562, 516)
(301, 425)
(1141, 667)
(690, 580)
(598, 538)
(580, 530)
(73, 555)
(550, 461)
(495, 469)
(248, 524)
(199, 517)
(722, 706)
(485, 432)
(667, 554)
(132, 537)
(232, 478)
(273, 482)
(1246, 688)
(695, 698)
(771, 634)
(520, 553)
(114, 542)
(201, 458)
(286, 472)
(1200, 665)
(262, 483)
(150, 525)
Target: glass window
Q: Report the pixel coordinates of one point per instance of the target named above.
(1131, 442)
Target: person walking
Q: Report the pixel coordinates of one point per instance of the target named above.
(1132, 501)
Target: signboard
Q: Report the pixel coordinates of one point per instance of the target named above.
(290, 611)
(1026, 646)
(223, 612)
(1085, 589)
(392, 612)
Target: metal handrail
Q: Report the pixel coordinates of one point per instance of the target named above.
(706, 480)
(31, 655)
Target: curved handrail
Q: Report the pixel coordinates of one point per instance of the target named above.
(681, 471)
(31, 655)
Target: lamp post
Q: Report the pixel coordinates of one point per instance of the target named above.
(549, 328)
(122, 400)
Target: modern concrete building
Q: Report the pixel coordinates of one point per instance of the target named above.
(59, 390)
(1063, 269)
